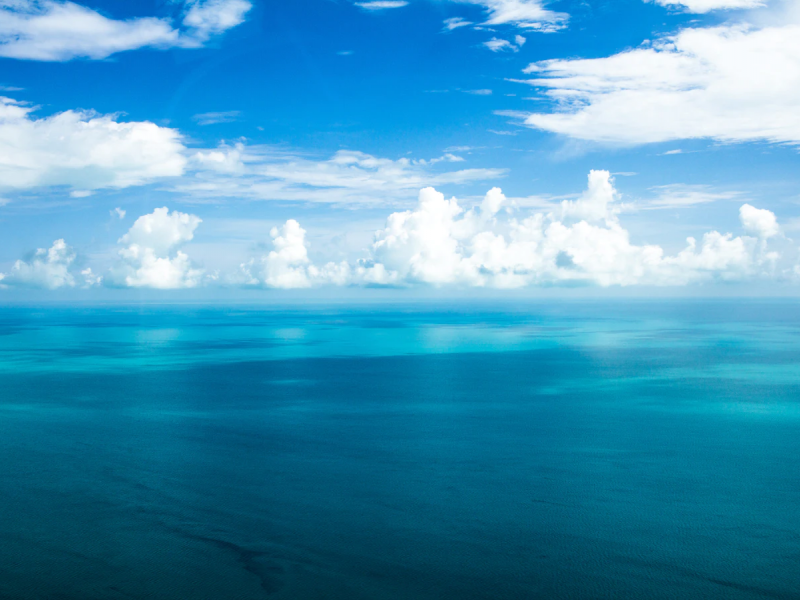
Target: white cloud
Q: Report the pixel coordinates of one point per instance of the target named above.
(348, 177)
(57, 31)
(83, 150)
(151, 257)
(288, 265)
(208, 17)
(582, 241)
(90, 279)
(455, 23)
(119, 213)
(759, 221)
(382, 4)
(499, 45)
(597, 203)
(579, 241)
(729, 83)
(48, 268)
(704, 6)
(212, 118)
(679, 195)
(528, 14)
(48, 30)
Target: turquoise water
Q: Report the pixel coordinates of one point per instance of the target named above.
(625, 450)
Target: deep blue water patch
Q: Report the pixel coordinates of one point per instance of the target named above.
(580, 451)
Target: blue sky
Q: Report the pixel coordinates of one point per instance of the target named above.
(290, 141)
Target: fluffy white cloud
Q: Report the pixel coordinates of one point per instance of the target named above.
(729, 83)
(529, 14)
(47, 268)
(759, 221)
(151, 257)
(704, 6)
(50, 268)
(580, 242)
(348, 177)
(208, 17)
(83, 150)
(597, 203)
(288, 265)
(58, 31)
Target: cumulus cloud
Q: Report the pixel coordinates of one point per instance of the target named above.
(759, 221)
(704, 6)
(579, 241)
(348, 177)
(50, 268)
(731, 83)
(83, 150)
(150, 256)
(582, 241)
(49, 30)
(288, 265)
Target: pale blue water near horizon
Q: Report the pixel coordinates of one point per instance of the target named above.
(629, 449)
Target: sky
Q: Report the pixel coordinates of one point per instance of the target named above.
(256, 149)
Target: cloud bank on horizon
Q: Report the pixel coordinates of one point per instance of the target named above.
(438, 243)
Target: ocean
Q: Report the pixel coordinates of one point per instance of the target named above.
(628, 449)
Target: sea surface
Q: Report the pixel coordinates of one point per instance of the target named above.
(545, 450)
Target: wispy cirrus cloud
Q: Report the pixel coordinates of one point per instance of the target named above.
(705, 6)
(347, 178)
(527, 14)
(455, 23)
(375, 5)
(681, 195)
(213, 118)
